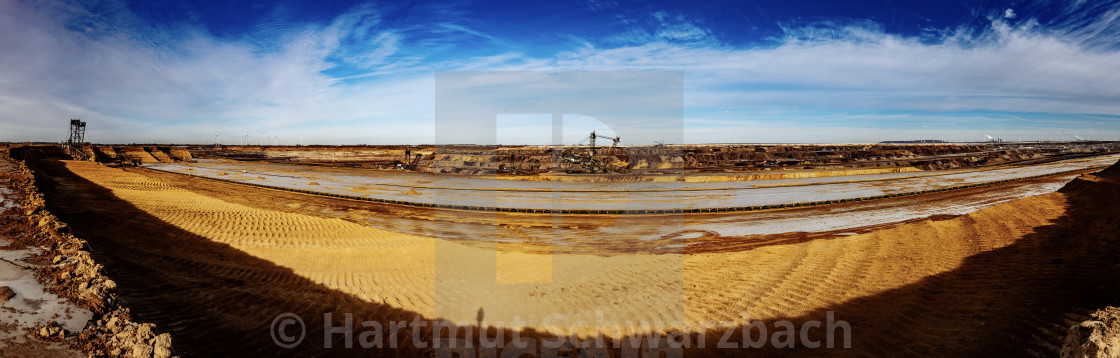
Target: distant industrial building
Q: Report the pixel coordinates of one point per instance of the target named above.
(919, 141)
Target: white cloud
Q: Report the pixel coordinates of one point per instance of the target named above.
(682, 32)
(678, 29)
(1009, 14)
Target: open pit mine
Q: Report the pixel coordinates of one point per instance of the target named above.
(925, 249)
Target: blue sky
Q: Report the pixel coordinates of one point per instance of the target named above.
(340, 72)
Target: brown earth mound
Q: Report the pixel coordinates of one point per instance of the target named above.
(1098, 337)
(160, 154)
(180, 153)
(139, 153)
(6, 293)
(105, 154)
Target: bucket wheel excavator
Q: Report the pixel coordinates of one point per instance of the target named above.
(587, 160)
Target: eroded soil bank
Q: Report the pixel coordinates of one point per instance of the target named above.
(58, 296)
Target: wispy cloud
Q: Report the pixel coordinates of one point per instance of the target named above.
(678, 29)
(661, 26)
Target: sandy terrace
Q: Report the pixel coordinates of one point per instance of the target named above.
(905, 289)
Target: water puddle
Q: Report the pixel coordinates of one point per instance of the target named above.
(32, 305)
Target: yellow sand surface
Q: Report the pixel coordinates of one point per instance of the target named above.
(454, 281)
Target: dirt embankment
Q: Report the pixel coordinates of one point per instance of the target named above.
(352, 156)
(676, 159)
(105, 154)
(111, 154)
(69, 271)
(1098, 337)
(160, 154)
(722, 159)
(180, 153)
(138, 152)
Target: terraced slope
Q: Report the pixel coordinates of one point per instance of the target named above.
(1005, 279)
(159, 154)
(139, 152)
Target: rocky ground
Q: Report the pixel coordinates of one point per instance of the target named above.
(47, 270)
(1099, 336)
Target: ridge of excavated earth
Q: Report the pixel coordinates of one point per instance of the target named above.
(94, 322)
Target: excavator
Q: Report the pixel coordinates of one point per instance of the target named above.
(588, 161)
(592, 137)
(128, 160)
(409, 162)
